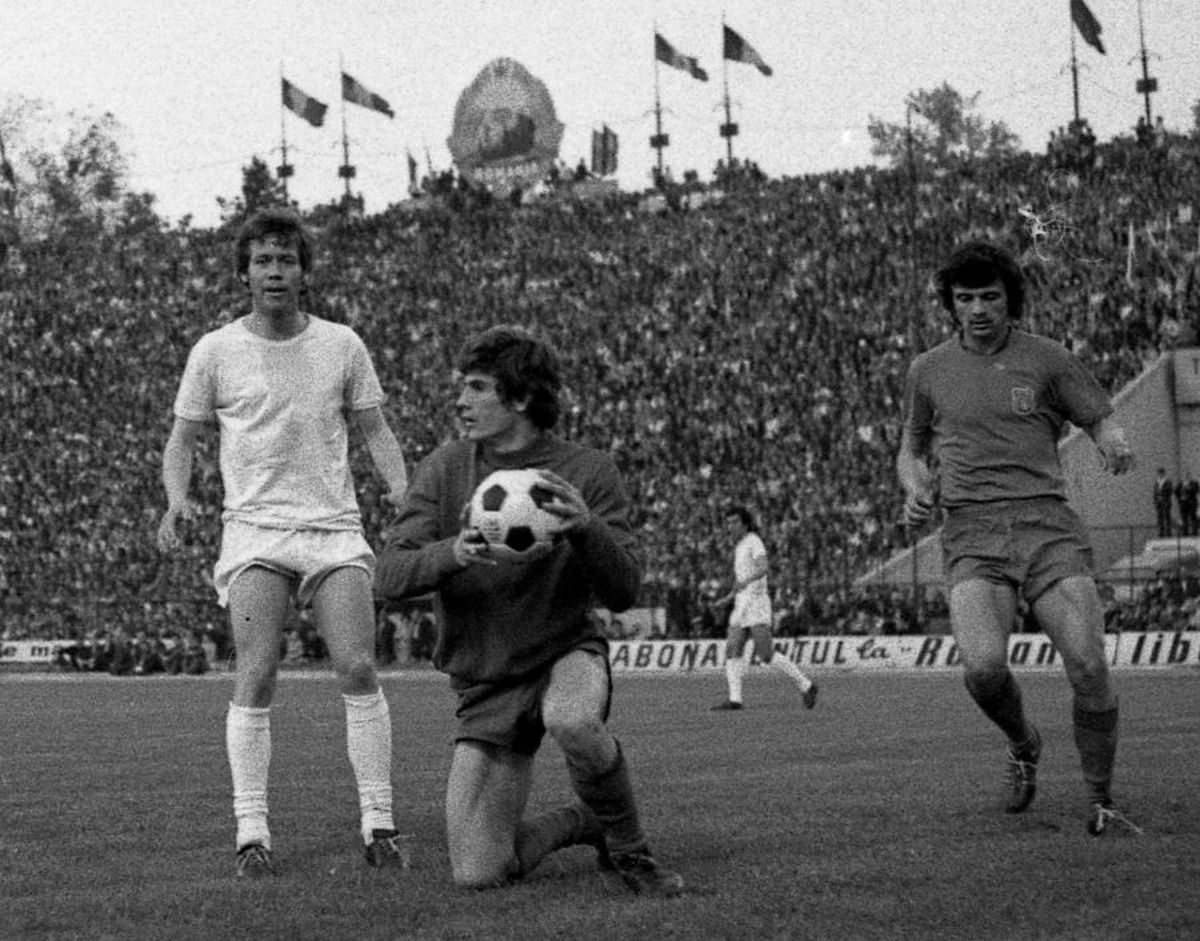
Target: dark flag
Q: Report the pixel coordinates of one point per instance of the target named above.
(665, 52)
(304, 105)
(604, 151)
(610, 149)
(1088, 25)
(358, 94)
(412, 170)
(738, 50)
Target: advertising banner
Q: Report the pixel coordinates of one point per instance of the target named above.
(913, 653)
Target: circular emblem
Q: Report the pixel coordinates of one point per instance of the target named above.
(505, 130)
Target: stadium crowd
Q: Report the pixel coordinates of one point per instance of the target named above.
(750, 349)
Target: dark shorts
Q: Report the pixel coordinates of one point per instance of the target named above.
(509, 715)
(1029, 544)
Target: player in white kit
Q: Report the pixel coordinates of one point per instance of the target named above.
(751, 615)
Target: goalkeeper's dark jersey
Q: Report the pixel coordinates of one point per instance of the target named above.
(502, 622)
(993, 422)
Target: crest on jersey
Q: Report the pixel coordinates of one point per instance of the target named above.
(1023, 400)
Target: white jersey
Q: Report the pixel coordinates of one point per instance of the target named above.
(281, 407)
(752, 604)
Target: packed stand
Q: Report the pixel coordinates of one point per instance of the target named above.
(751, 350)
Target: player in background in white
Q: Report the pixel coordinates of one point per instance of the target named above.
(751, 614)
(281, 385)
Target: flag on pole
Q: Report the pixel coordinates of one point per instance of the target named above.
(304, 105)
(412, 170)
(738, 50)
(665, 52)
(1088, 25)
(359, 94)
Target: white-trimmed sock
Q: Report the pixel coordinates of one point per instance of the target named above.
(369, 745)
(248, 743)
(735, 669)
(785, 666)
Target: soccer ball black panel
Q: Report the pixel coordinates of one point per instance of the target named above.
(493, 498)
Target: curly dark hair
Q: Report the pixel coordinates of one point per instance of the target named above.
(525, 369)
(974, 264)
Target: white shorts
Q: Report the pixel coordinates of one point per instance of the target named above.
(750, 611)
(305, 555)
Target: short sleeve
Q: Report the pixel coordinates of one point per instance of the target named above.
(363, 389)
(195, 400)
(918, 409)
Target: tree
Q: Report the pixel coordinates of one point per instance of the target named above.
(60, 171)
(943, 129)
(137, 215)
(260, 190)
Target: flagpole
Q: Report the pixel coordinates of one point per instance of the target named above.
(1074, 73)
(284, 170)
(1147, 84)
(914, 332)
(728, 129)
(659, 140)
(346, 170)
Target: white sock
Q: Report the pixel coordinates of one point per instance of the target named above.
(784, 665)
(735, 669)
(248, 743)
(369, 744)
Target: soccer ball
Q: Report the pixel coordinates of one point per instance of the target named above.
(506, 508)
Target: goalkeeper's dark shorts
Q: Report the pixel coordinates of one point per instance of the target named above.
(509, 715)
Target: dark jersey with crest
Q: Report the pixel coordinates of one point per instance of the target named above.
(504, 622)
(993, 421)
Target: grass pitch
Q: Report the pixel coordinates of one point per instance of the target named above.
(875, 816)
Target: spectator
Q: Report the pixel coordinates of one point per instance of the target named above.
(1163, 490)
(801, 264)
(1188, 496)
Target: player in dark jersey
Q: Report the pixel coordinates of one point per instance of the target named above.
(524, 652)
(986, 409)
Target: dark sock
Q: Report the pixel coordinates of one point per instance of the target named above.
(610, 797)
(1001, 702)
(540, 836)
(1096, 739)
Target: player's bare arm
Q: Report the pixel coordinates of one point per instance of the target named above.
(917, 480)
(1115, 453)
(176, 476)
(384, 449)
